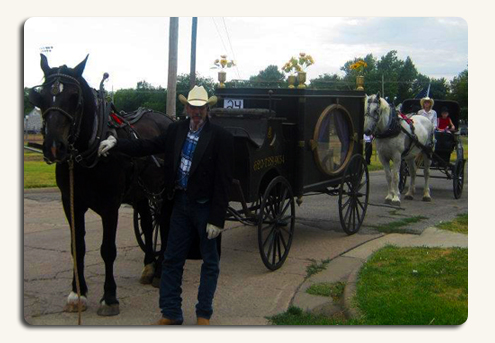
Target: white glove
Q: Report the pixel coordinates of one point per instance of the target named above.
(106, 145)
(213, 231)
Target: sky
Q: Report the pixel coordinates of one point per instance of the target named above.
(132, 49)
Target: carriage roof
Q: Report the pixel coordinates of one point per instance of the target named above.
(413, 105)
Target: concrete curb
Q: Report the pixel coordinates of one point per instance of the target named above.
(351, 310)
(354, 261)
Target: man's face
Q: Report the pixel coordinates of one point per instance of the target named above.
(427, 105)
(196, 113)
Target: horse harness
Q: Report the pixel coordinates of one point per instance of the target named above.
(394, 128)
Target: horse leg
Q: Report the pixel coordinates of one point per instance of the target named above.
(72, 304)
(147, 226)
(426, 192)
(386, 167)
(395, 180)
(411, 166)
(109, 305)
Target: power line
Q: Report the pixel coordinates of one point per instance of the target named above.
(231, 48)
(219, 35)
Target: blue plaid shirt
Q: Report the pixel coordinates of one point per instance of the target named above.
(186, 157)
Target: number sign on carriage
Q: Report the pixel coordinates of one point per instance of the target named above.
(233, 103)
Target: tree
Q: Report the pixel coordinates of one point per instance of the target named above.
(269, 77)
(28, 107)
(407, 75)
(459, 92)
(329, 81)
(145, 95)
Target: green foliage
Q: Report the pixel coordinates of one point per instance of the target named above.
(28, 107)
(459, 92)
(269, 77)
(331, 82)
(145, 95)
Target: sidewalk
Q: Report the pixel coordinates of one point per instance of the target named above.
(345, 268)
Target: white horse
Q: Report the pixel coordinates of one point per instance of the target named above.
(392, 144)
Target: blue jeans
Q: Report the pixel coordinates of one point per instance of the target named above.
(187, 218)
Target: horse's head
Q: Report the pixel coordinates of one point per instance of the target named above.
(60, 99)
(373, 107)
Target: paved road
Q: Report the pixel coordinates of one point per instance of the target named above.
(247, 291)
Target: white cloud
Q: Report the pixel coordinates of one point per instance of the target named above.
(135, 49)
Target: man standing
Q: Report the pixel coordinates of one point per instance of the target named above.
(368, 148)
(198, 174)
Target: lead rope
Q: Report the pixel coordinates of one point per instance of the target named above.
(73, 232)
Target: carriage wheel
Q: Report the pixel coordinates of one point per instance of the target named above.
(276, 221)
(155, 213)
(353, 195)
(403, 173)
(458, 178)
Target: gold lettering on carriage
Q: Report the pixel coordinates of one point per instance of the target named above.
(267, 162)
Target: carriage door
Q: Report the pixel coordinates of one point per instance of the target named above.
(333, 139)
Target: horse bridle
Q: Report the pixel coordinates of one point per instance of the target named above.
(375, 117)
(55, 80)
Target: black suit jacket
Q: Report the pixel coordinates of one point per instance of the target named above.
(210, 176)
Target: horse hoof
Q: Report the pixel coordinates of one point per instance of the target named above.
(396, 203)
(108, 310)
(427, 199)
(388, 201)
(147, 274)
(156, 282)
(409, 197)
(73, 303)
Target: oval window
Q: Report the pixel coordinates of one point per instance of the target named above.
(334, 139)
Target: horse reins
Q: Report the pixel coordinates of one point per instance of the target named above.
(73, 234)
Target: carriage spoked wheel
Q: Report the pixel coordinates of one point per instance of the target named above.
(403, 173)
(153, 215)
(353, 195)
(458, 178)
(276, 219)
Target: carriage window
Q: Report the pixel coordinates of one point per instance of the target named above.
(333, 139)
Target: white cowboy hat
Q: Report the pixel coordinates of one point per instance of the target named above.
(422, 101)
(198, 96)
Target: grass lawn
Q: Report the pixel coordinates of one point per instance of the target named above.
(414, 286)
(403, 286)
(459, 225)
(36, 172)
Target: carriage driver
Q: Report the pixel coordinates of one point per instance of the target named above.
(198, 175)
(428, 112)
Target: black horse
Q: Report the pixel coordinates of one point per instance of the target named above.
(72, 129)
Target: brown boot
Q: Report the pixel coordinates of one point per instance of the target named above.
(203, 321)
(166, 321)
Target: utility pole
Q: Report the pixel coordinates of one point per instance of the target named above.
(173, 40)
(192, 78)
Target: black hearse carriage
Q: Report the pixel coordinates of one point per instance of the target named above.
(445, 145)
(288, 143)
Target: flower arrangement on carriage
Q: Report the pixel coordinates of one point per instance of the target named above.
(299, 66)
(222, 63)
(359, 66)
